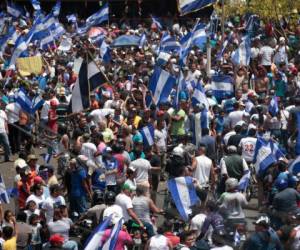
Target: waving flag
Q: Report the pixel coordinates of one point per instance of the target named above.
(188, 6)
(111, 242)
(94, 241)
(14, 10)
(162, 58)
(297, 148)
(273, 106)
(222, 86)
(71, 18)
(143, 41)
(147, 133)
(11, 34)
(199, 96)
(28, 105)
(156, 22)
(241, 56)
(36, 5)
(170, 45)
(98, 17)
(105, 52)
(56, 8)
(3, 193)
(161, 84)
(294, 166)
(244, 181)
(183, 194)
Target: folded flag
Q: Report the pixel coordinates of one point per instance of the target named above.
(3, 193)
(95, 239)
(111, 242)
(147, 133)
(222, 86)
(184, 195)
(161, 84)
(188, 6)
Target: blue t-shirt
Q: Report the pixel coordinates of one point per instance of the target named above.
(77, 177)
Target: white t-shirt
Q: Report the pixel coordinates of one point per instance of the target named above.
(3, 120)
(12, 110)
(45, 110)
(227, 136)
(125, 203)
(254, 52)
(234, 117)
(197, 223)
(88, 149)
(266, 53)
(248, 146)
(202, 171)
(49, 205)
(38, 200)
(222, 248)
(99, 114)
(158, 242)
(142, 167)
(115, 210)
(160, 137)
(61, 227)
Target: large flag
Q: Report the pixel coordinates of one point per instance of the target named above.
(89, 78)
(241, 56)
(294, 166)
(183, 194)
(199, 96)
(94, 241)
(161, 84)
(222, 86)
(266, 152)
(188, 6)
(11, 34)
(111, 242)
(3, 193)
(147, 133)
(170, 45)
(297, 148)
(98, 17)
(14, 10)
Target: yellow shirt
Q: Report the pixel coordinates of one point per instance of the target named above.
(10, 244)
(136, 121)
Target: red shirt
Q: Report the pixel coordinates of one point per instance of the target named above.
(52, 120)
(24, 191)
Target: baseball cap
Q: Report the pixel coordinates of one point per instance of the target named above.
(38, 180)
(126, 187)
(262, 221)
(21, 163)
(56, 239)
(31, 157)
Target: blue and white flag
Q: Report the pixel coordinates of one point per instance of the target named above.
(3, 193)
(199, 36)
(161, 84)
(95, 239)
(71, 18)
(199, 96)
(105, 52)
(294, 166)
(273, 106)
(156, 22)
(147, 133)
(297, 148)
(143, 41)
(11, 34)
(237, 238)
(98, 17)
(188, 6)
(56, 8)
(184, 195)
(37, 103)
(23, 100)
(170, 45)
(244, 181)
(241, 56)
(14, 10)
(47, 158)
(163, 58)
(111, 242)
(36, 5)
(252, 24)
(222, 86)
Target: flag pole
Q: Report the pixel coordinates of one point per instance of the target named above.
(222, 21)
(87, 70)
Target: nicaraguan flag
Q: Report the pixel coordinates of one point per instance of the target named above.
(37, 103)
(161, 84)
(88, 73)
(170, 45)
(98, 17)
(36, 5)
(94, 241)
(143, 41)
(199, 96)
(237, 238)
(71, 18)
(199, 37)
(188, 6)
(181, 86)
(23, 100)
(105, 52)
(162, 59)
(273, 106)
(294, 166)
(244, 181)
(147, 133)
(3, 193)
(157, 23)
(252, 24)
(183, 194)
(56, 8)
(11, 34)
(111, 242)
(222, 86)
(241, 56)
(14, 10)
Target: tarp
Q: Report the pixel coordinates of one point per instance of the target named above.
(126, 40)
(29, 65)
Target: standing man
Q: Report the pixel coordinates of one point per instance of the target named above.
(4, 134)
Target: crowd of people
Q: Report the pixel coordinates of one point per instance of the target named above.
(101, 167)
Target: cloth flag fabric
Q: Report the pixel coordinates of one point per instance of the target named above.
(56, 8)
(199, 96)
(161, 84)
(297, 148)
(147, 133)
(105, 51)
(143, 41)
(183, 194)
(180, 87)
(237, 238)
(188, 6)
(36, 5)
(241, 56)
(294, 166)
(98, 17)
(244, 181)
(71, 18)
(3, 193)
(88, 73)
(11, 34)
(222, 86)
(23, 100)
(163, 58)
(157, 23)
(273, 106)
(94, 241)
(111, 242)
(14, 10)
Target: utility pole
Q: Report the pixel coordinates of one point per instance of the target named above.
(222, 21)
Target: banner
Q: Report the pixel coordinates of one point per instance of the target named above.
(29, 65)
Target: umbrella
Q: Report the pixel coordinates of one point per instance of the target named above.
(125, 41)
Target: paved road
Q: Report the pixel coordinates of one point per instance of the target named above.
(8, 172)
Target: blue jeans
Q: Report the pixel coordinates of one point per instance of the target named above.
(78, 204)
(5, 143)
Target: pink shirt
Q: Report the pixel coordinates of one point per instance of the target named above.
(124, 239)
(101, 147)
